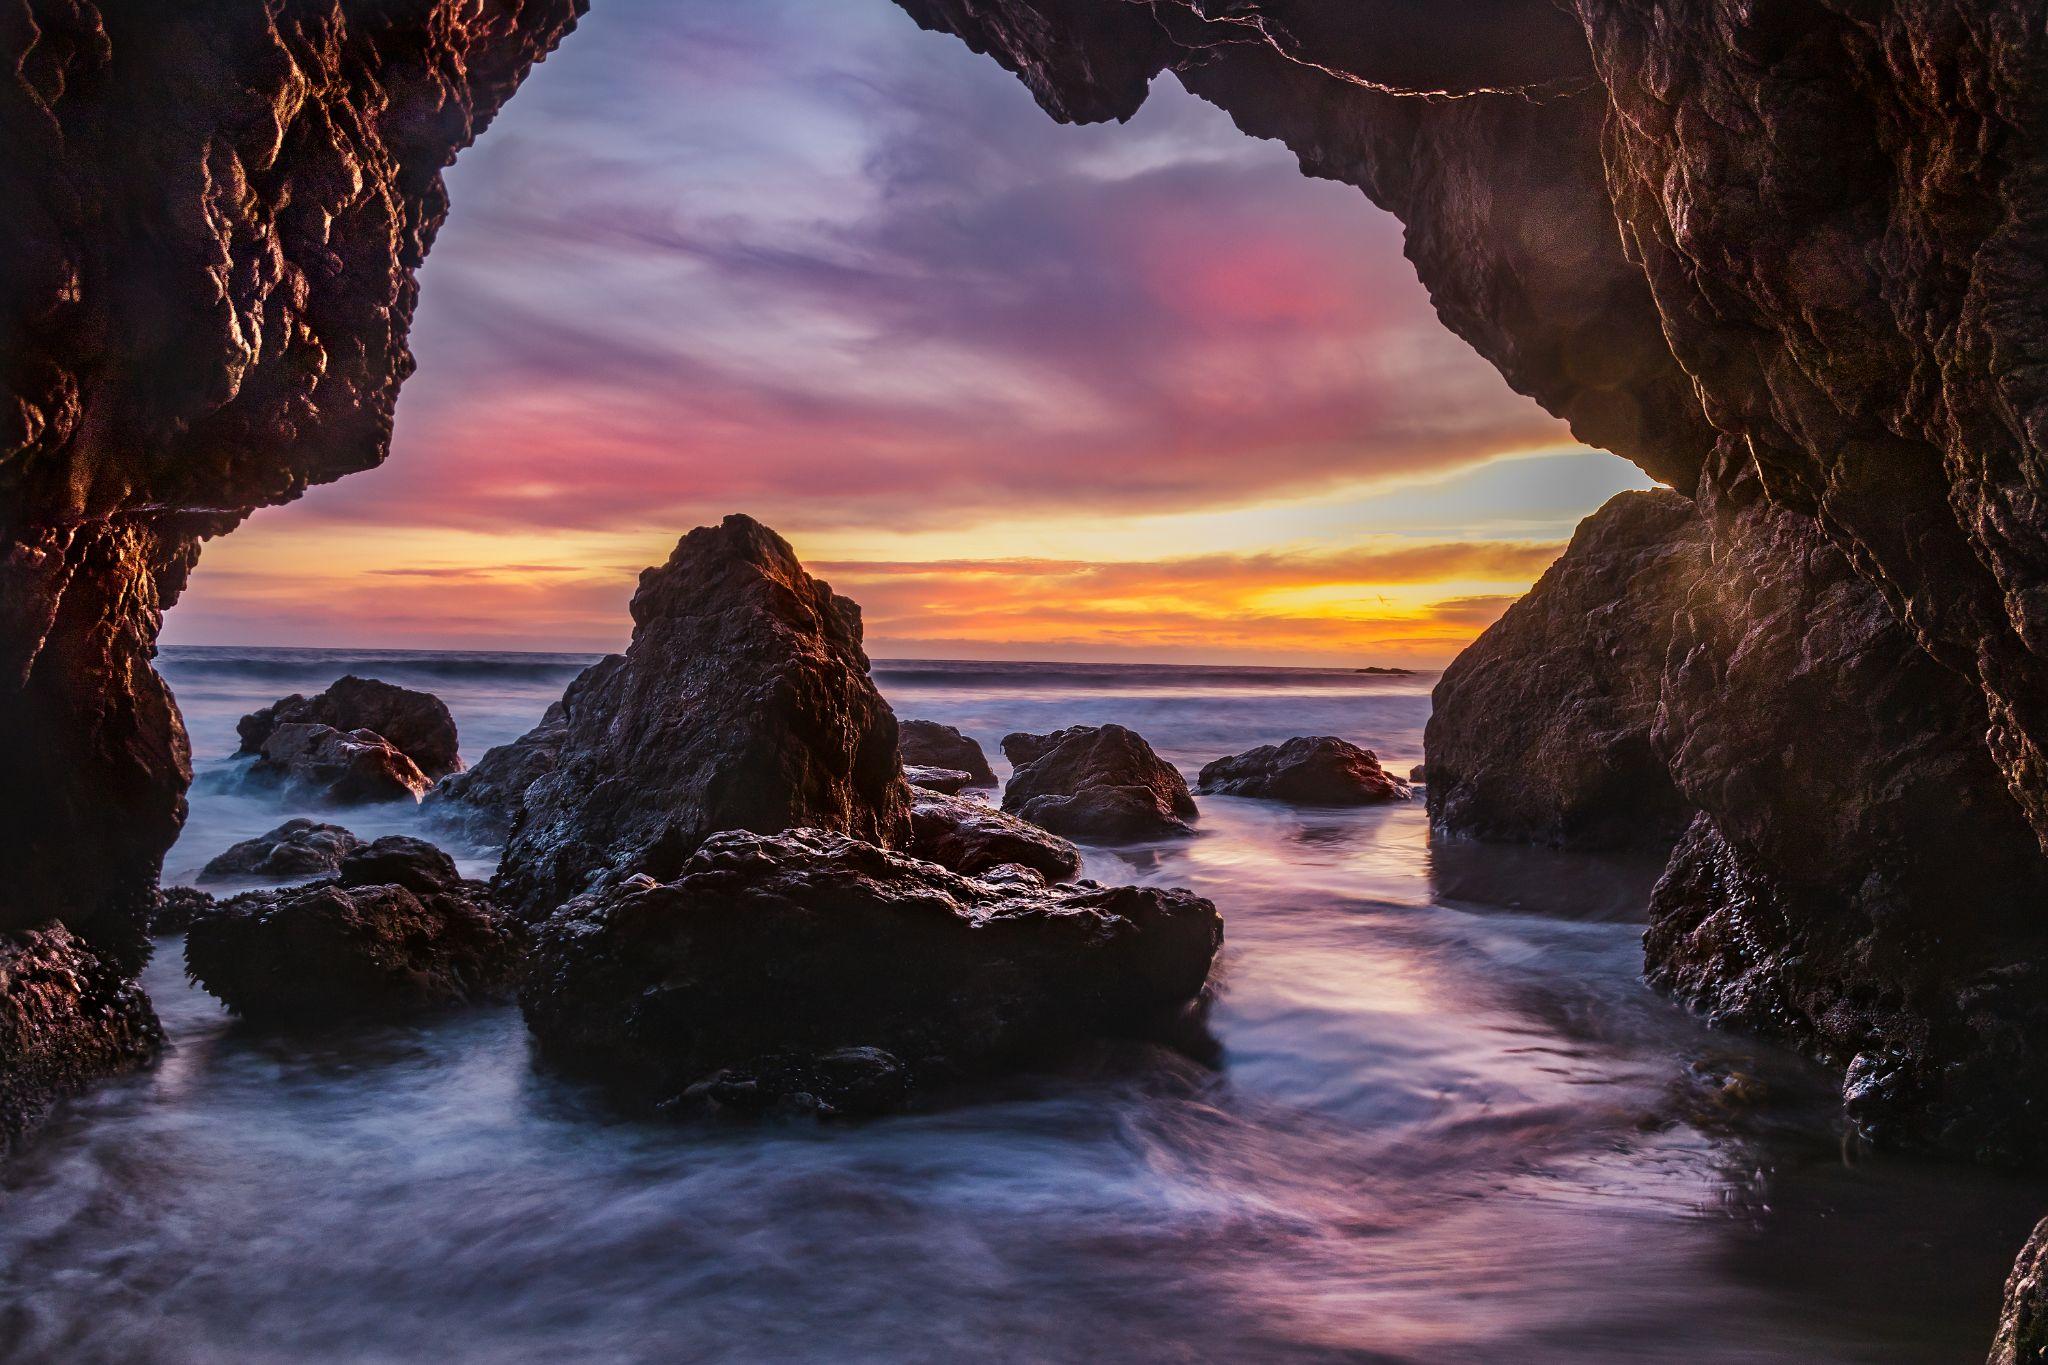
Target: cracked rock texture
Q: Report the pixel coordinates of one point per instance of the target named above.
(743, 703)
(67, 1018)
(215, 211)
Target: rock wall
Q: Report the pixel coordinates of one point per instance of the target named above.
(215, 212)
(1813, 227)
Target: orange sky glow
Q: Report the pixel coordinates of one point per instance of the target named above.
(1022, 391)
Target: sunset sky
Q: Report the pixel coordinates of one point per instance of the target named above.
(1023, 391)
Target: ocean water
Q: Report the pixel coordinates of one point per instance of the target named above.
(1445, 1123)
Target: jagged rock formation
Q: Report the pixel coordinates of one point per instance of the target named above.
(396, 932)
(338, 767)
(965, 836)
(808, 969)
(743, 703)
(2023, 1325)
(1540, 731)
(1100, 783)
(296, 848)
(1319, 770)
(206, 275)
(487, 800)
(417, 724)
(928, 744)
(67, 1018)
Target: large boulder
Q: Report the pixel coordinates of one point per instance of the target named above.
(808, 968)
(1318, 771)
(417, 724)
(340, 768)
(972, 838)
(1540, 731)
(296, 848)
(1098, 784)
(743, 702)
(487, 799)
(67, 1018)
(398, 931)
(928, 744)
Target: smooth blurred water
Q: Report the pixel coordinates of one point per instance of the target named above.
(1448, 1123)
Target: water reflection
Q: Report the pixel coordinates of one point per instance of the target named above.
(1446, 1123)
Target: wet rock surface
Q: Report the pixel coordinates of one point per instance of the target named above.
(973, 838)
(296, 848)
(417, 724)
(808, 969)
(67, 1018)
(945, 781)
(395, 933)
(1540, 731)
(1321, 770)
(336, 767)
(928, 744)
(1098, 784)
(176, 909)
(743, 702)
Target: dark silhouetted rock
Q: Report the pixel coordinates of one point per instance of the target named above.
(398, 932)
(945, 781)
(928, 744)
(296, 848)
(1099, 784)
(1540, 731)
(1318, 771)
(1419, 774)
(177, 907)
(338, 768)
(67, 1018)
(808, 959)
(2023, 1324)
(1862, 881)
(744, 702)
(973, 838)
(417, 724)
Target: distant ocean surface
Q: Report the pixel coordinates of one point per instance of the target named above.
(1447, 1123)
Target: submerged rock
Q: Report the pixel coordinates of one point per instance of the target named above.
(928, 744)
(417, 724)
(945, 781)
(398, 931)
(1318, 771)
(972, 838)
(177, 907)
(2023, 1324)
(1540, 731)
(343, 769)
(744, 702)
(1099, 784)
(808, 968)
(296, 848)
(67, 1018)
